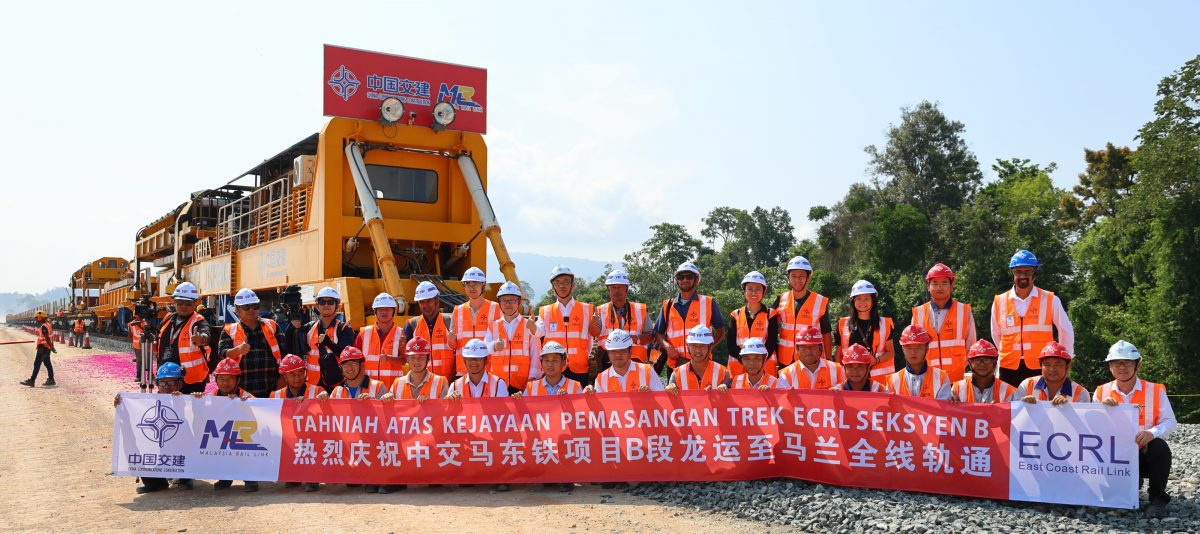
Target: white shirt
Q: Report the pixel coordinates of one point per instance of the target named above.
(1166, 423)
(1066, 333)
(939, 315)
(531, 346)
(916, 380)
(566, 312)
(654, 382)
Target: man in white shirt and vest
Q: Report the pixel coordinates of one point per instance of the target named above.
(1024, 319)
(569, 323)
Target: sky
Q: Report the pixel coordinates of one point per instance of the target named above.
(604, 118)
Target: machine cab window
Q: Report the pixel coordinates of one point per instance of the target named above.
(403, 183)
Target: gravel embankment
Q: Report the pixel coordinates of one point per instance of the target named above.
(818, 508)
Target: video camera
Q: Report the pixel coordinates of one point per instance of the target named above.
(291, 304)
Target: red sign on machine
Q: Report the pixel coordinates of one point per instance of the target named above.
(357, 82)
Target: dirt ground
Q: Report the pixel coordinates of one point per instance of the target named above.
(56, 460)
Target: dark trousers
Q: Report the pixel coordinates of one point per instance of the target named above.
(584, 379)
(1014, 377)
(1154, 463)
(42, 356)
(198, 387)
(153, 483)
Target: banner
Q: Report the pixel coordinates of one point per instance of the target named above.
(1073, 454)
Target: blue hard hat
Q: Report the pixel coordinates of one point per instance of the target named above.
(1023, 258)
(169, 370)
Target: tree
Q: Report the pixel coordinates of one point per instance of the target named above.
(1109, 176)
(650, 268)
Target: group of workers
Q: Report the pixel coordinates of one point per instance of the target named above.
(488, 348)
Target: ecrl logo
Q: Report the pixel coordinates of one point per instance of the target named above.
(459, 95)
(234, 435)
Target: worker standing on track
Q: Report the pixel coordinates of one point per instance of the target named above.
(982, 386)
(253, 343)
(619, 313)
(683, 312)
(45, 346)
(918, 378)
(514, 349)
(950, 324)
(754, 320)
(810, 370)
(321, 341)
(800, 307)
(1024, 320)
(570, 323)
(866, 327)
(227, 375)
(184, 338)
(857, 361)
(1053, 385)
(168, 380)
(434, 326)
(624, 374)
(1156, 419)
(700, 372)
(472, 320)
(754, 375)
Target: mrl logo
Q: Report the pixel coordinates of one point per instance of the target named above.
(1086, 454)
(459, 95)
(233, 435)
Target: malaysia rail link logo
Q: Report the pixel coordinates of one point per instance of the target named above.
(344, 83)
(160, 423)
(234, 435)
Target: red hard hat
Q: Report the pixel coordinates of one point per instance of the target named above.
(939, 270)
(858, 354)
(1054, 349)
(350, 353)
(983, 349)
(417, 345)
(228, 367)
(809, 335)
(915, 334)
(290, 363)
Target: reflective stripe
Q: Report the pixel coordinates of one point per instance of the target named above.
(685, 379)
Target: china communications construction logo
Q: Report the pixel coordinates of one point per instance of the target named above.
(343, 82)
(160, 423)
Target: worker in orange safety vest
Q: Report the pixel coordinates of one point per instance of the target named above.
(683, 312)
(1025, 319)
(1053, 385)
(799, 307)
(950, 323)
(918, 378)
(810, 370)
(866, 327)
(982, 386)
(857, 361)
(700, 372)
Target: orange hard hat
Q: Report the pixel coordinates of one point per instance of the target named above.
(858, 354)
(915, 334)
(1054, 349)
(983, 349)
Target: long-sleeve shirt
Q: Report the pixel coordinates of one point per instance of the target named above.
(296, 342)
(1166, 415)
(1066, 333)
(260, 371)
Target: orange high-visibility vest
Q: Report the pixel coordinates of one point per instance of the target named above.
(431, 388)
(698, 313)
(312, 364)
(135, 335)
(634, 323)
(1022, 338)
(638, 375)
(742, 381)
(829, 373)
(441, 356)
(310, 392)
(79, 326)
(373, 387)
(191, 358)
(571, 332)
(790, 318)
(539, 387)
(385, 357)
(948, 349)
(934, 378)
(238, 335)
(1144, 397)
(881, 370)
(685, 379)
(875, 387)
(965, 391)
(45, 334)
(746, 330)
(513, 361)
(470, 326)
(241, 393)
(463, 386)
(1029, 386)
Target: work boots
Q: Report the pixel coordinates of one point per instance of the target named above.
(27, 382)
(49, 382)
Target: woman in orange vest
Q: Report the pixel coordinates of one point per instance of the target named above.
(1156, 419)
(700, 372)
(918, 378)
(1053, 385)
(754, 320)
(982, 387)
(867, 328)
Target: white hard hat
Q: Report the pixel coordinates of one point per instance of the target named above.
(329, 293)
(700, 335)
(474, 274)
(618, 339)
(475, 348)
(560, 270)
(384, 300)
(1123, 350)
(799, 262)
(616, 278)
(863, 287)
(245, 296)
(754, 345)
(508, 288)
(754, 277)
(689, 267)
(553, 347)
(425, 291)
(186, 291)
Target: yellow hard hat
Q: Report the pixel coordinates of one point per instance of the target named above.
(39, 314)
